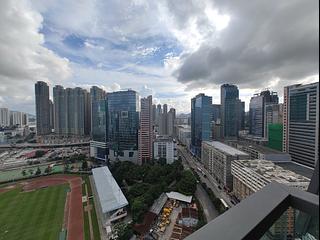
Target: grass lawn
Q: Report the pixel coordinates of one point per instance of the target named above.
(36, 215)
(16, 174)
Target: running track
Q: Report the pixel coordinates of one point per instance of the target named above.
(75, 216)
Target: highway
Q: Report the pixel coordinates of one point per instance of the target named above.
(43, 145)
(209, 180)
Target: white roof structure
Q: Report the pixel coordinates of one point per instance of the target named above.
(179, 196)
(110, 195)
(225, 148)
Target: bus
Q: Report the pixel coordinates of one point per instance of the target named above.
(224, 204)
(201, 171)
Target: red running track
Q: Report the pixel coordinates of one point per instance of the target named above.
(75, 216)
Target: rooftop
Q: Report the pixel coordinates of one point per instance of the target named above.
(272, 172)
(164, 138)
(184, 126)
(297, 168)
(225, 148)
(259, 148)
(179, 196)
(110, 195)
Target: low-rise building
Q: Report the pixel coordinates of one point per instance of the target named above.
(189, 217)
(260, 152)
(251, 139)
(111, 201)
(164, 147)
(217, 157)
(249, 176)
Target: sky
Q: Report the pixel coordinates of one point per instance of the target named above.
(170, 49)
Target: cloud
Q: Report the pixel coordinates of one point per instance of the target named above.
(24, 59)
(264, 41)
(172, 49)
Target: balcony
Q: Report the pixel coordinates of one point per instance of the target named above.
(255, 217)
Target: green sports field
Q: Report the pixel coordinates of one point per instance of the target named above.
(36, 215)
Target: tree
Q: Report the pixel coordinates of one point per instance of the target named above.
(122, 231)
(138, 207)
(24, 172)
(66, 167)
(84, 165)
(38, 172)
(187, 184)
(162, 161)
(47, 170)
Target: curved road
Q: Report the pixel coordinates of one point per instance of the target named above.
(208, 208)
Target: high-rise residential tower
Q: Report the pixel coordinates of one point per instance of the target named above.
(201, 117)
(154, 113)
(18, 118)
(4, 117)
(87, 113)
(158, 114)
(171, 117)
(60, 110)
(42, 108)
(70, 111)
(232, 111)
(51, 107)
(301, 123)
(77, 114)
(145, 131)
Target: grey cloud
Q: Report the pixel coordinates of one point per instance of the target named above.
(264, 40)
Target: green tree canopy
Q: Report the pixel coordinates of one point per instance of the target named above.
(187, 184)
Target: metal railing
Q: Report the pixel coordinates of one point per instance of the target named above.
(252, 218)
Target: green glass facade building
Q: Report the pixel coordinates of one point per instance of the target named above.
(275, 136)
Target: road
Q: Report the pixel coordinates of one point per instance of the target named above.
(192, 162)
(43, 145)
(208, 208)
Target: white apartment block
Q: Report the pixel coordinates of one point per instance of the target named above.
(250, 176)
(18, 118)
(217, 157)
(165, 148)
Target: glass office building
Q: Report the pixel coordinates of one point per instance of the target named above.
(232, 111)
(123, 123)
(98, 144)
(201, 117)
(257, 114)
(99, 121)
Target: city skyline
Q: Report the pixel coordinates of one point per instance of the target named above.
(158, 49)
(170, 119)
